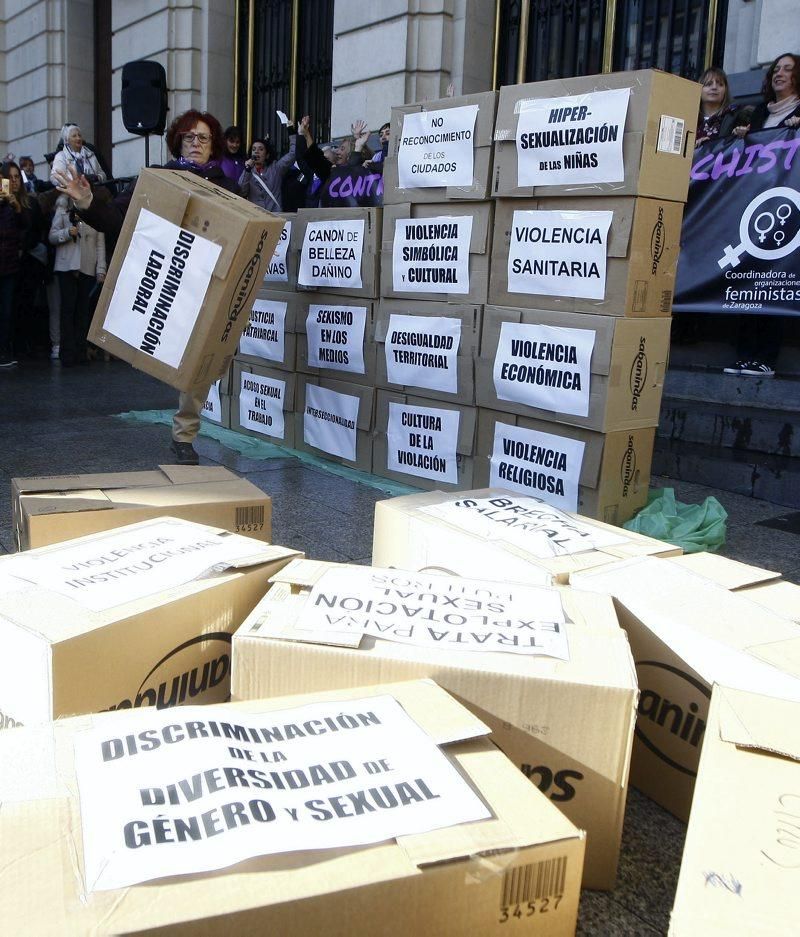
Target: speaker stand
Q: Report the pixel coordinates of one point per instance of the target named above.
(147, 151)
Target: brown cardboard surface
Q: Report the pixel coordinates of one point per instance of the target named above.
(731, 574)
(240, 371)
(61, 658)
(465, 446)
(450, 882)
(540, 709)
(648, 171)
(642, 256)
(471, 317)
(687, 633)
(247, 235)
(409, 539)
(629, 362)
(482, 151)
(739, 862)
(615, 472)
(364, 424)
(370, 258)
(50, 510)
(309, 299)
(480, 248)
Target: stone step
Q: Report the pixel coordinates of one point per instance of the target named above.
(770, 393)
(772, 477)
(744, 428)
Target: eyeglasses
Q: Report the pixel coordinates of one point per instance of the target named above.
(200, 137)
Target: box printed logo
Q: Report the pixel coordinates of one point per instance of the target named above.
(627, 468)
(638, 376)
(657, 241)
(244, 288)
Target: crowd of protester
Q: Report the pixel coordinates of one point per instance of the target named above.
(53, 261)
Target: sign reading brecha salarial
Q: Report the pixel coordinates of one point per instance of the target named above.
(437, 611)
(160, 288)
(199, 788)
(436, 148)
(572, 140)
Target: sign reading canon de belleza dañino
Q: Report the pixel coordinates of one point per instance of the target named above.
(331, 255)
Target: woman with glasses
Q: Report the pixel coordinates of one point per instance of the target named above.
(197, 145)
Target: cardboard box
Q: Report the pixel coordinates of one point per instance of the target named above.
(740, 859)
(687, 633)
(657, 139)
(608, 481)
(263, 403)
(126, 618)
(408, 536)
(51, 509)
(641, 256)
(432, 441)
(343, 332)
(270, 339)
(422, 349)
(566, 724)
(342, 253)
(179, 290)
(341, 428)
(625, 361)
(482, 134)
(459, 880)
(438, 228)
(281, 272)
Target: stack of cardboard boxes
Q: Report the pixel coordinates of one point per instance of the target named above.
(590, 175)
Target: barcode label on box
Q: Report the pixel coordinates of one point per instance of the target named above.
(529, 883)
(670, 135)
(250, 518)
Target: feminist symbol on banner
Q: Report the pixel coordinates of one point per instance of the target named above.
(775, 231)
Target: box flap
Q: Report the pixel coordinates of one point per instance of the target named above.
(759, 722)
(197, 474)
(64, 483)
(785, 655)
(730, 574)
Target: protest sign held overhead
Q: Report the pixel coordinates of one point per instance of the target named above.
(559, 253)
(436, 148)
(575, 139)
(431, 255)
(422, 351)
(437, 611)
(544, 366)
(163, 796)
(741, 230)
(537, 463)
(331, 254)
(336, 337)
(423, 441)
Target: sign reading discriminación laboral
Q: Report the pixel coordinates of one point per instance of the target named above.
(436, 148)
(171, 795)
(572, 140)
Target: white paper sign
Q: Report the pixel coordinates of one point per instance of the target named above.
(212, 408)
(261, 404)
(438, 611)
(330, 421)
(571, 140)
(124, 565)
(559, 253)
(422, 351)
(160, 288)
(423, 441)
(528, 523)
(199, 788)
(544, 366)
(265, 335)
(541, 464)
(282, 118)
(278, 267)
(436, 148)
(431, 255)
(336, 337)
(331, 254)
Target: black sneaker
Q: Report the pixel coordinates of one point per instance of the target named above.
(185, 453)
(7, 361)
(757, 369)
(735, 368)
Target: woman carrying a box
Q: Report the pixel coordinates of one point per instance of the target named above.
(196, 142)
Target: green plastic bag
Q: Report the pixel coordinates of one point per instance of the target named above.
(693, 527)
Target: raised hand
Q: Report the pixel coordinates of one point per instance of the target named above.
(74, 185)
